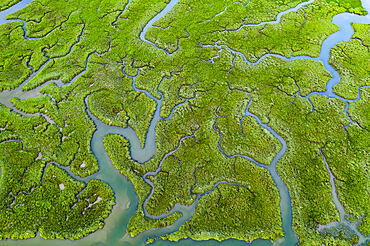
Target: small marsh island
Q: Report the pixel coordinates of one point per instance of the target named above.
(131, 122)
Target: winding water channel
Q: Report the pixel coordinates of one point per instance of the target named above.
(127, 201)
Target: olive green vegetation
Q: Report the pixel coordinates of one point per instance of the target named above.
(14, 62)
(29, 191)
(118, 150)
(108, 106)
(301, 32)
(351, 58)
(352, 180)
(5, 4)
(303, 169)
(245, 219)
(38, 196)
(362, 33)
(201, 153)
(63, 139)
(350, 5)
(359, 110)
(88, 46)
(195, 157)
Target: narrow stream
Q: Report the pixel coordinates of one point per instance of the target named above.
(127, 201)
(12, 9)
(349, 228)
(167, 9)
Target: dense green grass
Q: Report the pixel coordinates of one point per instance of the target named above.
(236, 212)
(118, 150)
(88, 44)
(358, 110)
(36, 196)
(351, 58)
(7, 4)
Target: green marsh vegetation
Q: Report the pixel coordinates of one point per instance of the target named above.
(7, 4)
(361, 32)
(302, 31)
(351, 58)
(247, 221)
(303, 169)
(358, 110)
(38, 196)
(29, 145)
(119, 151)
(91, 43)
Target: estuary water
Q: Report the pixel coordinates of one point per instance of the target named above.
(127, 201)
